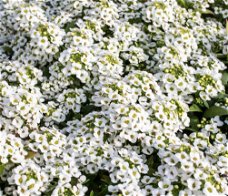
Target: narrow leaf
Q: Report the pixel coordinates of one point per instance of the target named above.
(91, 193)
(221, 56)
(190, 129)
(88, 108)
(195, 108)
(209, 12)
(215, 111)
(222, 96)
(206, 104)
(194, 121)
(105, 179)
(225, 78)
(182, 3)
(2, 167)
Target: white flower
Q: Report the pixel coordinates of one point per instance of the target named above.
(165, 185)
(185, 192)
(180, 83)
(182, 157)
(193, 184)
(209, 189)
(195, 157)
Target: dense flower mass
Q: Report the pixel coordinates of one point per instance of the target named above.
(113, 97)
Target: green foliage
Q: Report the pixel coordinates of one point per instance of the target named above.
(98, 184)
(91, 193)
(2, 167)
(195, 108)
(215, 111)
(225, 78)
(153, 162)
(194, 121)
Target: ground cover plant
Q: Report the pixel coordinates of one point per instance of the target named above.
(113, 97)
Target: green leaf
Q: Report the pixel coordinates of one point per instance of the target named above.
(222, 96)
(104, 191)
(195, 108)
(88, 108)
(2, 167)
(153, 161)
(225, 78)
(182, 3)
(175, 191)
(91, 193)
(185, 3)
(69, 25)
(206, 104)
(208, 12)
(221, 56)
(8, 50)
(105, 179)
(190, 129)
(215, 111)
(194, 121)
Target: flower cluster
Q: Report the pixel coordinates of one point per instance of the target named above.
(113, 97)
